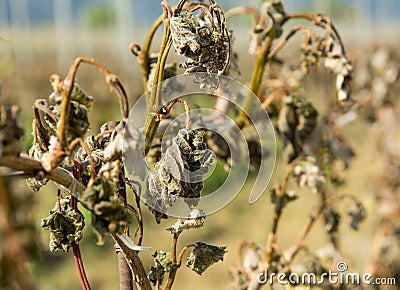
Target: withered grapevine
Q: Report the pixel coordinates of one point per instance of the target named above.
(91, 169)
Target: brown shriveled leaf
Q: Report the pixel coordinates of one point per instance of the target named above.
(357, 214)
(179, 173)
(65, 225)
(203, 256)
(11, 130)
(162, 265)
(108, 215)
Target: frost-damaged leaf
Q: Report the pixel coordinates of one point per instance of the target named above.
(332, 220)
(179, 173)
(357, 213)
(34, 183)
(11, 130)
(296, 121)
(205, 41)
(290, 195)
(108, 215)
(309, 175)
(78, 121)
(162, 265)
(65, 225)
(203, 256)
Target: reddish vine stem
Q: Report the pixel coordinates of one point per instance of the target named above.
(77, 172)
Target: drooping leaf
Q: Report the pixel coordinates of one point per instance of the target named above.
(162, 265)
(332, 220)
(357, 214)
(108, 215)
(65, 225)
(203, 256)
(179, 173)
(11, 129)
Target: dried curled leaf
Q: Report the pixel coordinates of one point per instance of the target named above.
(179, 173)
(205, 42)
(296, 121)
(332, 220)
(205, 46)
(316, 47)
(311, 52)
(65, 225)
(289, 196)
(78, 123)
(108, 215)
(203, 256)
(357, 214)
(96, 148)
(337, 61)
(11, 130)
(309, 176)
(34, 183)
(162, 265)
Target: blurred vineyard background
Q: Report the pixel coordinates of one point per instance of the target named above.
(41, 37)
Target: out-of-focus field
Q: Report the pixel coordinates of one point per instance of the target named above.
(237, 221)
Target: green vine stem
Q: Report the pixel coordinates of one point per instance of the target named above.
(155, 101)
(174, 265)
(151, 125)
(143, 54)
(164, 111)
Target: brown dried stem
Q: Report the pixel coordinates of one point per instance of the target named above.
(138, 211)
(320, 20)
(284, 41)
(259, 19)
(182, 252)
(300, 241)
(67, 86)
(280, 194)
